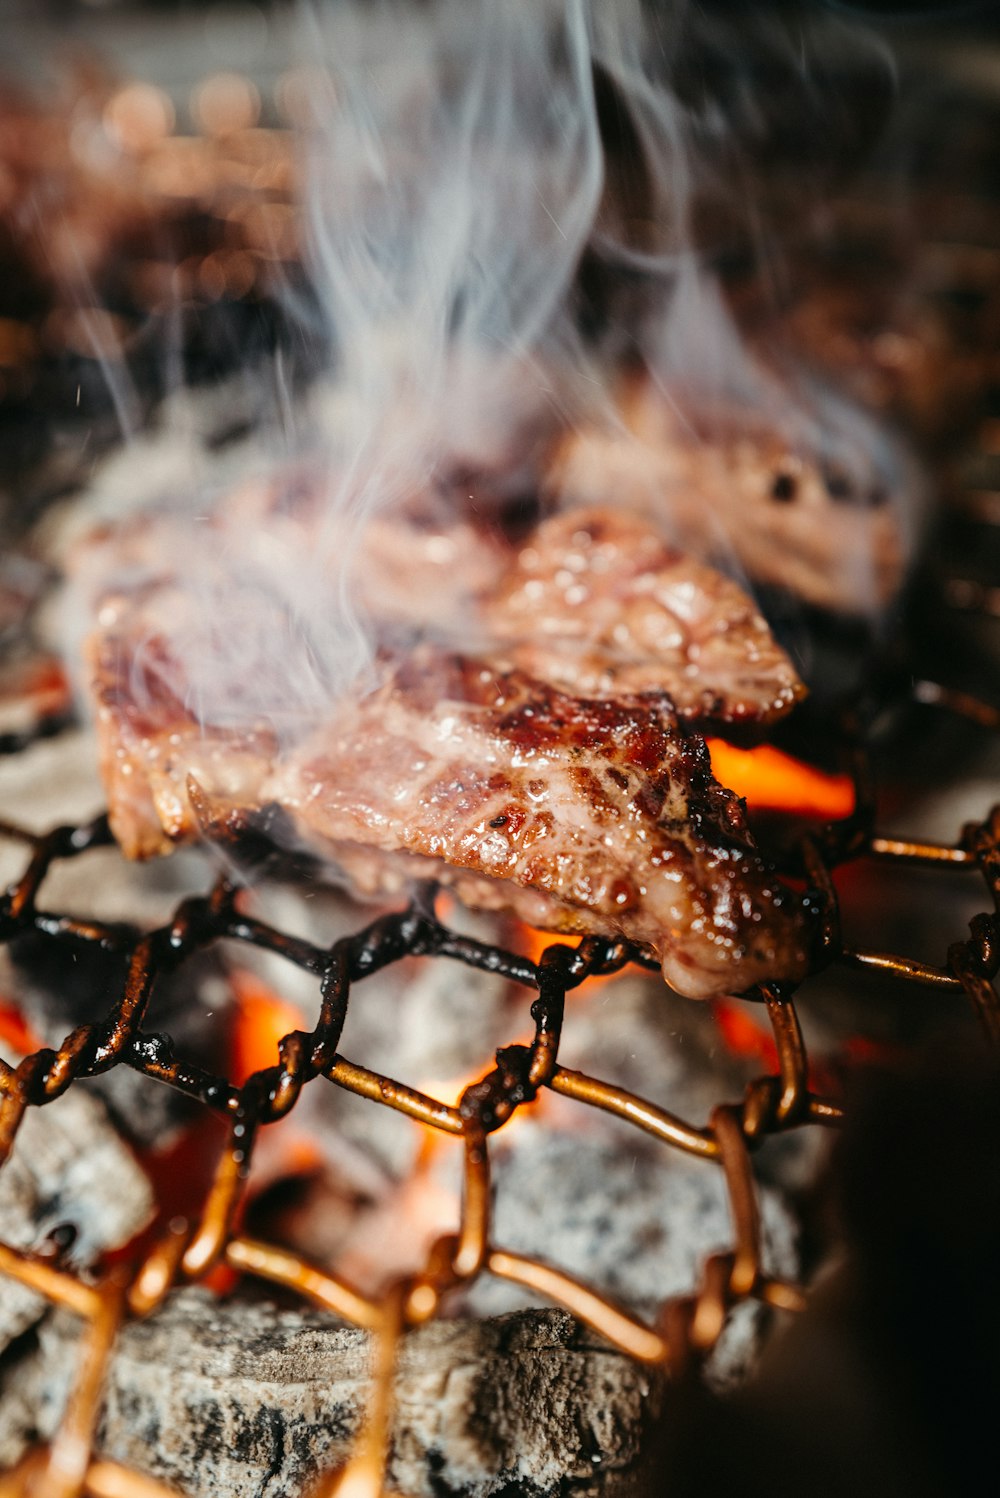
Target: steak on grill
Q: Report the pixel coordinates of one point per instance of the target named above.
(543, 769)
(597, 604)
(577, 815)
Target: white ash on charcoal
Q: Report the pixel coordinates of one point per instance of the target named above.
(630, 1216)
(23, 1378)
(611, 1205)
(52, 781)
(240, 1399)
(70, 1189)
(673, 1053)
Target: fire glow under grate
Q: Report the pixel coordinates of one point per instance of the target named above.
(791, 1095)
(687, 1327)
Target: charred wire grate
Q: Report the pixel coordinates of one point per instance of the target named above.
(687, 1326)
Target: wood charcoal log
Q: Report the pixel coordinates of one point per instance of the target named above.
(70, 1185)
(236, 1399)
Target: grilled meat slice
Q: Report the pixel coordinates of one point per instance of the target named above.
(151, 740)
(577, 815)
(595, 601)
(582, 815)
(810, 529)
(589, 810)
(597, 604)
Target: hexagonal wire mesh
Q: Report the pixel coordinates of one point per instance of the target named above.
(687, 1327)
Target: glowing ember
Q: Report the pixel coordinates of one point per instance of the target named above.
(15, 1030)
(744, 1035)
(263, 1020)
(41, 684)
(770, 779)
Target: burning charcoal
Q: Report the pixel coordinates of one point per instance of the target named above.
(70, 1190)
(599, 1191)
(353, 1199)
(235, 1397)
(23, 1393)
(678, 1055)
(346, 1197)
(34, 700)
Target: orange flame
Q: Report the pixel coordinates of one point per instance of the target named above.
(263, 1019)
(15, 1030)
(771, 780)
(743, 1035)
(531, 942)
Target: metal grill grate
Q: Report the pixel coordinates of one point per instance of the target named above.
(686, 1328)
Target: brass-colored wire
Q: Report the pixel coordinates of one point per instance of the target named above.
(689, 1325)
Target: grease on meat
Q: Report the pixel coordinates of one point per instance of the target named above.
(577, 815)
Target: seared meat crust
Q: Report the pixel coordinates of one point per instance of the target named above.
(578, 815)
(150, 741)
(591, 810)
(597, 603)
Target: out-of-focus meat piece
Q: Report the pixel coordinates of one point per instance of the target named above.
(742, 492)
(598, 605)
(578, 815)
(900, 354)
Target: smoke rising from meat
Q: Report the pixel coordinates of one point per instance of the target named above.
(454, 169)
(463, 172)
(740, 451)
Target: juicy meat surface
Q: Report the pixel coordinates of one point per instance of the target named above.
(544, 770)
(578, 815)
(597, 604)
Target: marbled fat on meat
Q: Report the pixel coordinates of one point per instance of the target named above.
(598, 604)
(577, 815)
(547, 771)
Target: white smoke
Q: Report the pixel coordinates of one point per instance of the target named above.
(455, 167)
(453, 170)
